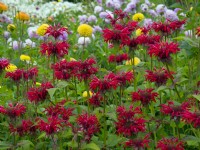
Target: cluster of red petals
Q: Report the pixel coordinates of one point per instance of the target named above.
(128, 123)
(147, 39)
(96, 99)
(101, 85)
(168, 27)
(124, 77)
(88, 124)
(170, 144)
(175, 111)
(3, 63)
(163, 50)
(60, 110)
(53, 125)
(198, 31)
(159, 76)
(144, 96)
(39, 94)
(30, 73)
(13, 110)
(119, 34)
(55, 31)
(192, 118)
(25, 127)
(118, 58)
(138, 143)
(59, 49)
(16, 76)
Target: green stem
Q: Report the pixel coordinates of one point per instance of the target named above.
(66, 96)
(105, 125)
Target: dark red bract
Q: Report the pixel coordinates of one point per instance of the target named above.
(170, 144)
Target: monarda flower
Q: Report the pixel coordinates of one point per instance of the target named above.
(64, 70)
(31, 73)
(119, 34)
(25, 127)
(170, 144)
(86, 69)
(102, 85)
(3, 64)
(129, 123)
(52, 126)
(95, 100)
(55, 31)
(89, 125)
(144, 96)
(175, 111)
(139, 143)
(39, 94)
(58, 49)
(16, 76)
(198, 31)
(192, 118)
(124, 77)
(118, 58)
(163, 51)
(13, 110)
(158, 76)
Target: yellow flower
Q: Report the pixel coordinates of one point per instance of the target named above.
(22, 16)
(3, 7)
(50, 19)
(138, 17)
(191, 8)
(42, 29)
(136, 61)
(11, 27)
(138, 32)
(11, 68)
(85, 94)
(25, 57)
(37, 83)
(72, 59)
(85, 30)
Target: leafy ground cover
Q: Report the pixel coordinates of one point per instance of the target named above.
(100, 75)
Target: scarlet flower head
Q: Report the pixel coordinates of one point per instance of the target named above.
(198, 31)
(170, 144)
(159, 76)
(89, 125)
(144, 96)
(39, 94)
(124, 77)
(13, 110)
(53, 125)
(118, 58)
(31, 73)
(3, 64)
(163, 50)
(129, 123)
(175, 111)
(102, 85)
(96, 99)
(16, 76)
(55, 31)
(192, 118)
(58, 49)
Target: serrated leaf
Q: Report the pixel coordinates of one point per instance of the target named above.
(62, 84)
(91, 146)
(51, 92)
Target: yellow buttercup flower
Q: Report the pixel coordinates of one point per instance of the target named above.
(136, 61)
(3, 7)
(85, 94)
(38, 84)
(42, 29)
(138, 32)
(22, 16)
(11, 68)
(72, 59)
(85, 30)
(25, 58)
(11, 27)
(138, 17)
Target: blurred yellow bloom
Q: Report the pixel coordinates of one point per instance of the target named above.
(25, 57)
(37, 83)
(3, 7)
(85, 30)
(85, 94)
(42, 29)
(72, 59)
(138, 17)
(22, 16)
(138, 32)
(11, 68)
(136, 61)
(191, 8)
(11, 27)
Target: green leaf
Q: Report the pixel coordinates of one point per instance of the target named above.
(72, 144)
(42, 135)
(25, 143)
(52, 92)
(5, 145)
(91, 146)
(62, 84)
(197, 97)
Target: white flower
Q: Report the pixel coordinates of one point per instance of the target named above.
(84, 41)
(170, 15)
(161, 8)
(98, 9)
